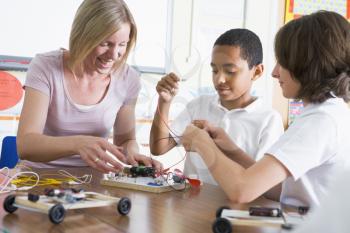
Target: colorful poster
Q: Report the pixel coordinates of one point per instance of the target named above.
(294, 110)
(11, 101)
(11, 90)
(297, 8)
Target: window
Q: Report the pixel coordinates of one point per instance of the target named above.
(36, 26)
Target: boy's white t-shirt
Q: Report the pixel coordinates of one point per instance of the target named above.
(253, 128)
(314, 148)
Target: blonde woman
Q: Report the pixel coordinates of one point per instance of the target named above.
(74, 97)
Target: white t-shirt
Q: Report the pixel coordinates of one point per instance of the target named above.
(253, 128)
(332, 215)
(314, 148)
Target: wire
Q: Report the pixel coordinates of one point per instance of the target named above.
(173, 133)
(85, 179)
(172, 185)
(166, 123)
(26, 180)
(5, 186)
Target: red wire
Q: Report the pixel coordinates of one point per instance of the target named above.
(166, 124)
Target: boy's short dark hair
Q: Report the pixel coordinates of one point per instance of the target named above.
(315, 49)
(247, 41)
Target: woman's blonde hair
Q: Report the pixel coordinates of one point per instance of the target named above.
(94, 21)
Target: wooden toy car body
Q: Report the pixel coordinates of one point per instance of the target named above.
(56, 207)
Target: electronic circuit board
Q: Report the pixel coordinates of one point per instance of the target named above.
(148, 184)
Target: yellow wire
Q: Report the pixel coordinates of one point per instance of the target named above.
(31, 180)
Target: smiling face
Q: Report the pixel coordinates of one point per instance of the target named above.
(232, 77)
(290, 86)
(111, 50)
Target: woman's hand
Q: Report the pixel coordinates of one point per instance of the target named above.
(137, 159)
(93, 150)
(167, 87)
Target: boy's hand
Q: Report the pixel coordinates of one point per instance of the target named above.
(168, 87)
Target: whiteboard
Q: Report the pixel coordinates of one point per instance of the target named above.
(34, 26)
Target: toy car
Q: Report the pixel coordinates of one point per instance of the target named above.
(56, 205)
(227, 218)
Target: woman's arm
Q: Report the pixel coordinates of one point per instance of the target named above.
(31, 143)
(34, 146)
(124, 135)
(240, 184)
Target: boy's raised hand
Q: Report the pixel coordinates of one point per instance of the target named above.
(168, 87)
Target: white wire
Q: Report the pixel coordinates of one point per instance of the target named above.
(6, 187)
(5, 175)
(85, 179)
(2, 187)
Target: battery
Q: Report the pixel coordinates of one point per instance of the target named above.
(265, 211)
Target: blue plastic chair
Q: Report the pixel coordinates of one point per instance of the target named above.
(9, 156)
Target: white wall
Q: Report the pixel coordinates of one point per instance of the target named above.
(261, 16)
(195, 26)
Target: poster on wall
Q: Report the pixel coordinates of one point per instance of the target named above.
(297, 8)
(11, 101)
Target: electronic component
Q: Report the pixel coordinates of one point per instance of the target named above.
(302, 210)
(33, 197)
(136, 171)
(142, 178)
(178, 179)
(265, 211)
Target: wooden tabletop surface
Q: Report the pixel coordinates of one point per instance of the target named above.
(192, 210)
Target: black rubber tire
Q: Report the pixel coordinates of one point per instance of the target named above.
(57, 213)
(222, 225)
(219, 211)
(124, 206)
(8, 204)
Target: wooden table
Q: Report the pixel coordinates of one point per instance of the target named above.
(192, 210)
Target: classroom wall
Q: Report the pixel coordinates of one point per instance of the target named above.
(190, 59)
(190, 56)
(264, 17)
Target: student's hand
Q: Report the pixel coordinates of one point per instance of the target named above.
(93, 150)
(194, 138)
(137, 159)
(168, 87)
(221, 139)
(202, 124)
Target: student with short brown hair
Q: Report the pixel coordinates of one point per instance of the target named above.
(313, 64)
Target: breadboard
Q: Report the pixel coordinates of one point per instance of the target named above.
(141, 184)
